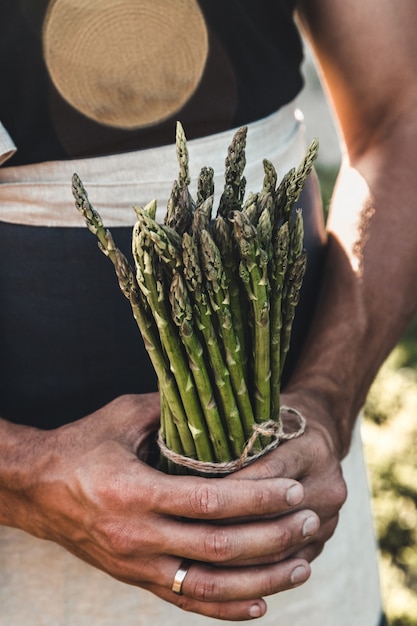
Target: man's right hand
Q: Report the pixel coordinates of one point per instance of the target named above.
(87, 487)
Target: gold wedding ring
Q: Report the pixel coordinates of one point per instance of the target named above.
(181, 573)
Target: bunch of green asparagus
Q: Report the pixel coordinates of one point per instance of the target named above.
(214, 297)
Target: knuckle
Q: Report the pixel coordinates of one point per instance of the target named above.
(270, 586)
(284, 538)
(339, 492)
(117, 539)
(218, 545)
(206, 589)
(205, 501)
(184, 603)
(262, 499)
(330, 526)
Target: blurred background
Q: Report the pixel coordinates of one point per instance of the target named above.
(390, 417)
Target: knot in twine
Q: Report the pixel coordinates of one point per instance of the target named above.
(270, 428)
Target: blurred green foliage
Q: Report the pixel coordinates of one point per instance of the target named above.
(390, 439)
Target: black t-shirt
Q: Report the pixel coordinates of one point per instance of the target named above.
(83, 78)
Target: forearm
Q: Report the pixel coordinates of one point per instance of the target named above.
(19, 462)
(368, 293)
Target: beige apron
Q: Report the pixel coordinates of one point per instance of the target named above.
(43, 585)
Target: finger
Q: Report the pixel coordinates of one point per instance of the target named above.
(232, 593)
(243, 543)
(211, 499)
(314, 546)
(239, 610)
(213, 584)
(310, 551)
(295, 458)
(288, 460)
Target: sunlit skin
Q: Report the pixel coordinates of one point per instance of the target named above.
(83, 486)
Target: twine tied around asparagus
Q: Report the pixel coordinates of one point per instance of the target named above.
(270, 428)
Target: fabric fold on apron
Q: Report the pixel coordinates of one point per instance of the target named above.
(40, 194)
(7, 147)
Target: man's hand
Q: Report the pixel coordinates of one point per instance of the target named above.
(313, 460)
(88, 487)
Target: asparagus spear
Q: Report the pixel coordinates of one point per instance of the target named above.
(219, 368)
(180, 209)
(181, 206)
(202, 216)
(264, 227)
(150, 209)
(299, 176)
(235, 182)
(278, 268)
(205, 184)
(257, 203)
(281, 199)
(144, 257)
(182, 313)
(165, 241)
(292, 282)
(182, 156)
(216, 284)
(270, 177)
(253, 272)
(250, 208)
(141, 313)
(223, 238)
(170, 436)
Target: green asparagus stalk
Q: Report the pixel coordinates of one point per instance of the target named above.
(264, 227)
(150, 209)
(257, 203)
(281, 200)
(292, 282)
(299, 176)
(182, 313)
(297, 235)
(291, 301)
(235, 182)
(253, 272)
(202, 216)
(180, 209)
(181, 206)
(142, 315)
(170, 436)
(165, 241)
(270, 177)
(204, 315)
(182, 156)
(144, 257)
(279, 263)
(205, 184)
(250, 208)
(223, 238)
(216, 283)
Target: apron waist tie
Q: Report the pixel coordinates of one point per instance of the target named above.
(40, 194)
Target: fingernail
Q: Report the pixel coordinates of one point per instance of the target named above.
(294, 495)
(310, 526)
(299, 575)
(255, 610)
